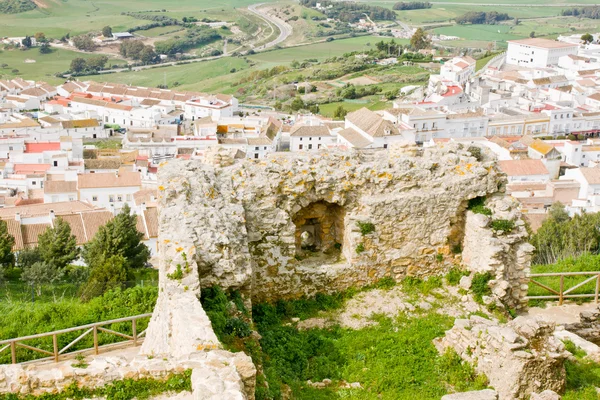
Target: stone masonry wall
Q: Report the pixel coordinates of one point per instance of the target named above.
(237, 221)
(506, 255)
(519, 358)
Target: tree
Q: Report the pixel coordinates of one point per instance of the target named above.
(7, 241)
(40, 273)
(39, 36)
(107, 32)
(532, 34)
(118, 237)
(57, 245)
(147, 55)
(28, 257)
(84, 42)
(78, 64)
(109, 274)
(45, 48)
(26, 42)
(97, 62)
(419, 40)
(297, 104)
(587, 38)
(340, 112)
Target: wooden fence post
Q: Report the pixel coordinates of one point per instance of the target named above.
(597, 289)
(134, 331)
(562, 287)
(13, 352)
(55, 346)
(96, 339)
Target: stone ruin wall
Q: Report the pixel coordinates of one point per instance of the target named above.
(243, 224)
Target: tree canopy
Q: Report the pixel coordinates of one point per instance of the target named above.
(420, 40)
(57, 245)
(118, 237)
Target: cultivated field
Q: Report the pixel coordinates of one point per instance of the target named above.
(45, 66)
(58, 17)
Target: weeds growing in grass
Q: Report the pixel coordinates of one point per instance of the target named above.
(453, 276)
(480, 287)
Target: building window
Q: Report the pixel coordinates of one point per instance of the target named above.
(128, 197)
(310, 146)
(55, 163)
(71, 198)
(34, 183)
(319, 146)
(111, 198)
(255, 155)
(265, 147)
(256, 148)
(10, 148)
(119, 198)
(385, 146)
(94, 198)
(299, 147)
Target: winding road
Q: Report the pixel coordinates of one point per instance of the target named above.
(285, 29)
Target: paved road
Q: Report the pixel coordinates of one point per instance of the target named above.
(285, 29)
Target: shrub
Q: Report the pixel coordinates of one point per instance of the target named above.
(453, 276)
(360, 248)
(480, 287)
(475, 152)
(477, 206)
(365, 227)
(503, 225)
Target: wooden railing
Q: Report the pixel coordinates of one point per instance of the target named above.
(93, 329)
(563, 293)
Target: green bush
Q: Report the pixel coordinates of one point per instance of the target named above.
(480, 287)
(453, 276)
(365, 227)
(503, 225)
(477, 206)
(359, 248)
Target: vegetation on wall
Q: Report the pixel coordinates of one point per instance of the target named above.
(125, 389)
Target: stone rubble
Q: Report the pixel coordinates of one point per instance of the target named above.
(486, 394)
(519, 358)
(235, 372)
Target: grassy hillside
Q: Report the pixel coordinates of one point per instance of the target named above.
(56, 17)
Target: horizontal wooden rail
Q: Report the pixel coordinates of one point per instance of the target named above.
(563, 293)
(94, 329)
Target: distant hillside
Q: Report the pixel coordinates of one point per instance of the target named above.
(16, 6)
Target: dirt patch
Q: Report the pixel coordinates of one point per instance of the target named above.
(41, 3)
(360, 311)
(363, 80)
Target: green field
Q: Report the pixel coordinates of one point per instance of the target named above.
(162, 31)
(373, 103)
(189, 76)
(46, 65)
(80, 16)
(320, 50)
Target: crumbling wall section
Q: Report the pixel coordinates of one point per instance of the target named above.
(505, 254)
(519, 358)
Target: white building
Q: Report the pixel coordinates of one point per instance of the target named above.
(307, 137)
(538, 53)
(524, 170)
(366, 129)
(108, 190)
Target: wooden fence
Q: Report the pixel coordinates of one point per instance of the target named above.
(93, 329)
(566, 293)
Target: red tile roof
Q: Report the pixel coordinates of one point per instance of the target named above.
(31, 168)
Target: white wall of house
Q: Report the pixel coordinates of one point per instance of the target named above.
(108, 198)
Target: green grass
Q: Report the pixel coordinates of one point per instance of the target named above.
(319, 51)
(192, 76)
(483, 61)
(328, 109)
(22, 319)
(163, 32)
(586, 262)
(478, 32)
(44, 68)
(80, 16)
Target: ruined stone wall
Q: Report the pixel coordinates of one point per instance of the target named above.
(506, 255)
(241, 222)
(519, 358)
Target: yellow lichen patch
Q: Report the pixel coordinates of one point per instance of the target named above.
(179, 249)
(458, 170)
(167, 241)
(304, 172)
(161, 187)
(386, 175)
(162, 164)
